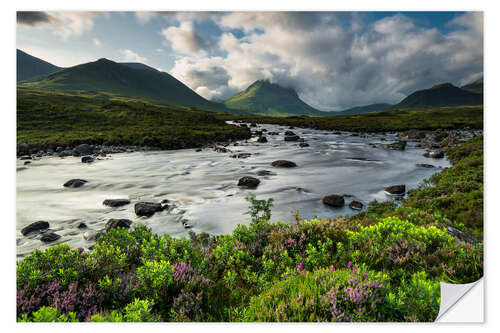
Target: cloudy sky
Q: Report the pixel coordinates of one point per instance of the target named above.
(334, 60)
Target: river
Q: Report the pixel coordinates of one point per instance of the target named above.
(202, 186)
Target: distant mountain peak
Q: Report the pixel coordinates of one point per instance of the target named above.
(29, 66)
(443, 85)
(265, 97)
(444, 94)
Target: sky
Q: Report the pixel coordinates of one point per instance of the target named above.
(334, 60)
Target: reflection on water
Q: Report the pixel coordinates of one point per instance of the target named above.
(202, 185)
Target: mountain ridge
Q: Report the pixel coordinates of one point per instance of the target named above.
(29, 66)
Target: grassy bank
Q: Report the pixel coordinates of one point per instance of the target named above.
(383, 121)
(384, 264)
(54, 119)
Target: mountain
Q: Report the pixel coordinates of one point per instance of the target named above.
(476, 86)
(266, 98)
(127, 79)
(444, 94)
(29, 66)
(363, 109)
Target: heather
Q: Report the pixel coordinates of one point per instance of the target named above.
(384, 264)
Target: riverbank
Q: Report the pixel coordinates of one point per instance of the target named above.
(392, 256)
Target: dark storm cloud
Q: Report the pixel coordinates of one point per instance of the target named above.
(33, 18)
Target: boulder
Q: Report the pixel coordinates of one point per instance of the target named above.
(292, 138)
(26, 157)
(264, 173)
(27, 162)
(398, 145)
(49, 237)
(289, 133)
(82, 225)
(248, 182)
(115, 202)
(356, 205)
(334, 200)
(117, 223)
(395, 190)
(283, 164)
(87, 159)
(35, 227)
(84, 149)
(434, 154)
(147, 208)
(74, 183)
(253, 125)
(262, 139)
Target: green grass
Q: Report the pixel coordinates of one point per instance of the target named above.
(67, 119)
(389, 120)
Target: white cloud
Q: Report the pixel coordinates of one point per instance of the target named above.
(145, 16)
(131, 56)
(97, 42)
(184, 39)
(333, 60)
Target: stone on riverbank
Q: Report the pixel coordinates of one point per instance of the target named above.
(334, 200)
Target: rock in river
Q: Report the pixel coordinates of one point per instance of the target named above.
(147, 208)
(87, 159)
(262, 139)
(334, 200)
(34, 227)
(356, 205)
(74, 183)
(395, 190)
(115, 223)
(49, 237)
(398, 145)
(427, 166)
(434, 154)
(115, 202)
(292, 138)
(283, 164)
(303, 144)
(289, 133)
(249, 182)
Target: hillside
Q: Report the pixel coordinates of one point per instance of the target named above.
(440, 95)
(266, 98)
(476, 86)
(29, 66)
(129, 80)
(363, 109)
(52, 118)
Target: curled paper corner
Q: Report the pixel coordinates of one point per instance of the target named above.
(462, 303)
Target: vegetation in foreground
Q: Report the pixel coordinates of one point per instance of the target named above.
(52, 119)
(445, 118)
(384, 264)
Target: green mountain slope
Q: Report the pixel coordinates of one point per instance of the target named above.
(129, 79)
(266, 98)
(29, 66)
(363, 109)
(444, 94)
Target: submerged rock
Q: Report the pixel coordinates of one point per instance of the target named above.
(248, 182)
(147, 208)
(334, 200)
(115, 202)
(356, 205)
(241, 155)
(434, 154)
(264, 173)
(427, 166)
(283, 164)
(395, 190)
(115, 223)
(49, 237)
(303, 144)
(292, 138)
(262, 139)
(289, 133)
(87, 159)
(35, 227)
(75, 183)
(398, 145)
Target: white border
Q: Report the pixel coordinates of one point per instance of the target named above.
(492, 139)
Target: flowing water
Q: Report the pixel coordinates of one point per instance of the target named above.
(202, 186)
